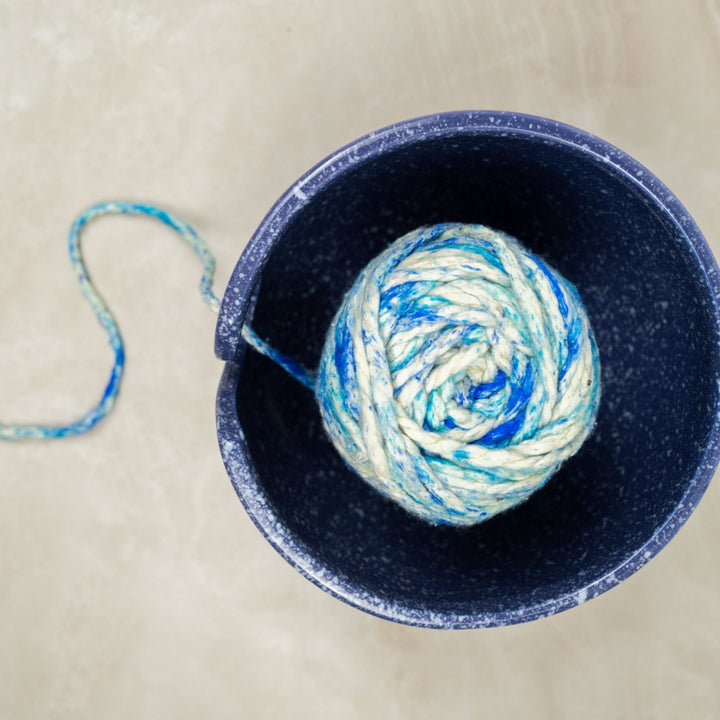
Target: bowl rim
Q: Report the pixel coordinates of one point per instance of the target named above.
(237, 301)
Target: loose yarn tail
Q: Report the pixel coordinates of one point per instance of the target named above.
(108, 322)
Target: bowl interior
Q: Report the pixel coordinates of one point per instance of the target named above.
(650, 309)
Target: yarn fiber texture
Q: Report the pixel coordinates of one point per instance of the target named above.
(459, 373)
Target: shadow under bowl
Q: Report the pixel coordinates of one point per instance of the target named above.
(649, 283)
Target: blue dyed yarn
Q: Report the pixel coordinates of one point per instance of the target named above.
(108, 322)
(459, 373)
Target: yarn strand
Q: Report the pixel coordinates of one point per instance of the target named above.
(108, 322)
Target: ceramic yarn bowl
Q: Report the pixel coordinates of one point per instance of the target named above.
(649, 283)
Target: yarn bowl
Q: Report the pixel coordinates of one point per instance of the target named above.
(649, 283)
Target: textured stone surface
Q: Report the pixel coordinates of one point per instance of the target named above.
(132, 583)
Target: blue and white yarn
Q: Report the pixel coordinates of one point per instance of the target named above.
(459, 373)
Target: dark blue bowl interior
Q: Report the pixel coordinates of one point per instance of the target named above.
(650, 309)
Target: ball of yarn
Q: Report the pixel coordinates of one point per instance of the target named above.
(459, 373)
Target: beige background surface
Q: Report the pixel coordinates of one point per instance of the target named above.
(132, 584)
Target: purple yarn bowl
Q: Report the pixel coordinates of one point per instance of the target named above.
(650, 285)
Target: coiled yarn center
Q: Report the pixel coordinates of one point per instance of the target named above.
(459, 373)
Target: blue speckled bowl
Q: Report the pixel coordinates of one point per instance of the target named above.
(650, 285)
